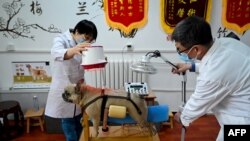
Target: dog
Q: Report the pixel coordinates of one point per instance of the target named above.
(82, 94)
(37, 73)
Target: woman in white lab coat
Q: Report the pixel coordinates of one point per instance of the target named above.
(223, 85)
(66, 69)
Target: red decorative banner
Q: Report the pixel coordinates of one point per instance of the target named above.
(173, 11)
(126, 15)
(236, 15)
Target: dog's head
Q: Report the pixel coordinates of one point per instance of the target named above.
(72, 93)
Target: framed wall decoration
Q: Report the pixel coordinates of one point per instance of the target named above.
(31, 74)
(126, 15)
(236, 15)
(173, 11)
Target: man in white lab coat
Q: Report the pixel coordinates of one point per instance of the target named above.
(223, 85)
(66, 54)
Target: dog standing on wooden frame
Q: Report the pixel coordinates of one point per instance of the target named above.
(91, 100)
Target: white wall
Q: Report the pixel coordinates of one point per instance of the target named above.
(62, 15)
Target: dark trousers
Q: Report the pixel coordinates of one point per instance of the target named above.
(72, 128)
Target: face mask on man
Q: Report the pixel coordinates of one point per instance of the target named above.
(184, 57)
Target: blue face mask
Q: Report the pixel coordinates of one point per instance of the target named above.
(81, 40)
(184, 57)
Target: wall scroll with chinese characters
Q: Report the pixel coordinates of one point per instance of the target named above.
(173, 11)
(126, 15)
(236, 15)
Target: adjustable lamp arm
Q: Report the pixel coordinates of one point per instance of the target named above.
(156, 54)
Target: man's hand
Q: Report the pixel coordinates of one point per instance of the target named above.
(181, 68)
(177, 117)
(78, 49)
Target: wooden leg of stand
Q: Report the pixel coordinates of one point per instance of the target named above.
(86, 127)
(105, 120)
(28, 125)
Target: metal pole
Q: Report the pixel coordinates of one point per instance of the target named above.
(183, 130)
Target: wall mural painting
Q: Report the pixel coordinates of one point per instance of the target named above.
(36, 8)
(82, 8)
(15, 26)
(223, 32)
(100, 2)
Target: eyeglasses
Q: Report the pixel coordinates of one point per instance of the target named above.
(179, 52)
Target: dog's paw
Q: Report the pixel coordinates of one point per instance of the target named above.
(95, 134)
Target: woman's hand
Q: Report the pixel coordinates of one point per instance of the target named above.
(77, 50)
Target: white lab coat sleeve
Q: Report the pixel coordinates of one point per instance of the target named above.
(197, 66)
(206, 96)
(58, 49)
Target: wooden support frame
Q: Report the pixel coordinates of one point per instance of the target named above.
(121, 133)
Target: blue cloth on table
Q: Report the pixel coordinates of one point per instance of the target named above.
(156, 113)
(126, 120)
